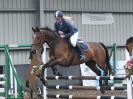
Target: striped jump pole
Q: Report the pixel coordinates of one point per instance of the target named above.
(128, 88)
(86, 87)
(45, 71)
(86, 77)
(84, 97)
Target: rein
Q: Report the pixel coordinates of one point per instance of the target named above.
(35, 44)
(57, 34)
(53, 41)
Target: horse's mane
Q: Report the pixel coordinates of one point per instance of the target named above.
(56, 35)
(129, 40)
(47, 28)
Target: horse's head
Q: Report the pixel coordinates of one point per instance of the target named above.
(37, 43)
(46, 35)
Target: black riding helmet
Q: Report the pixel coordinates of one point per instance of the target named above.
(58, 14)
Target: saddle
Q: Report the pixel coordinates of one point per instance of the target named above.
(83, 45)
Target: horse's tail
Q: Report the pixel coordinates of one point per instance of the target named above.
(107, 58)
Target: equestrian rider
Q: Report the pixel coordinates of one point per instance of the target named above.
(68, 31)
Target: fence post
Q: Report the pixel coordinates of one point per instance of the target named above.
(7, 71)
(114, 58)
(129, 88)
(45, 72)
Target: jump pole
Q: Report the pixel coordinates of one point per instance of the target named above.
(45, 71)
(129, 88)
(129, 91)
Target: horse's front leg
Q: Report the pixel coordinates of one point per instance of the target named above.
(54, 69)
(48, 64)
(55, 72)
(51, 63)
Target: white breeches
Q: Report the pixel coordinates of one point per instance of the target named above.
(73, 39)
(131, 57)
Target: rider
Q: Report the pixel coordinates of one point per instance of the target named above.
(67, 30)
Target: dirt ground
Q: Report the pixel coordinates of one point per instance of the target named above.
(88, 93)
(85, 93)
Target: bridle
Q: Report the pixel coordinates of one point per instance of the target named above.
(36, 45)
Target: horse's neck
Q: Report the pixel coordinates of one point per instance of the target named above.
(52, 39)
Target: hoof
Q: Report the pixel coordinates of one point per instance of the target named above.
(34, 95)
(59, 74)
(45, 82)
(102, 90)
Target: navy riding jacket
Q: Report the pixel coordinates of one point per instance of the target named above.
(66, 27)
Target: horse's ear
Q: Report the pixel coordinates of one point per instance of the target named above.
(37, 29)
(33, 29)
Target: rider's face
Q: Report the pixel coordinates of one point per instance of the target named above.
(58, 19)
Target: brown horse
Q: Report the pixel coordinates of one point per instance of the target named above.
(32, 79)
(62, 53)
(129, 46)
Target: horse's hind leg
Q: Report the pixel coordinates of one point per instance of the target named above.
(92, 65)
(105, 74)
(104, 70)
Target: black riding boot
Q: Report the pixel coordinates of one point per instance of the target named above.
(82, 57)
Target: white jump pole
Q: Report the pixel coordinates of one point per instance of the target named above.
(45, 72)
(129, 88)
(11, 79)
(13, 89)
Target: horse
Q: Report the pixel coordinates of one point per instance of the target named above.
(62, 53)
(32, 81)
(129, 46)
